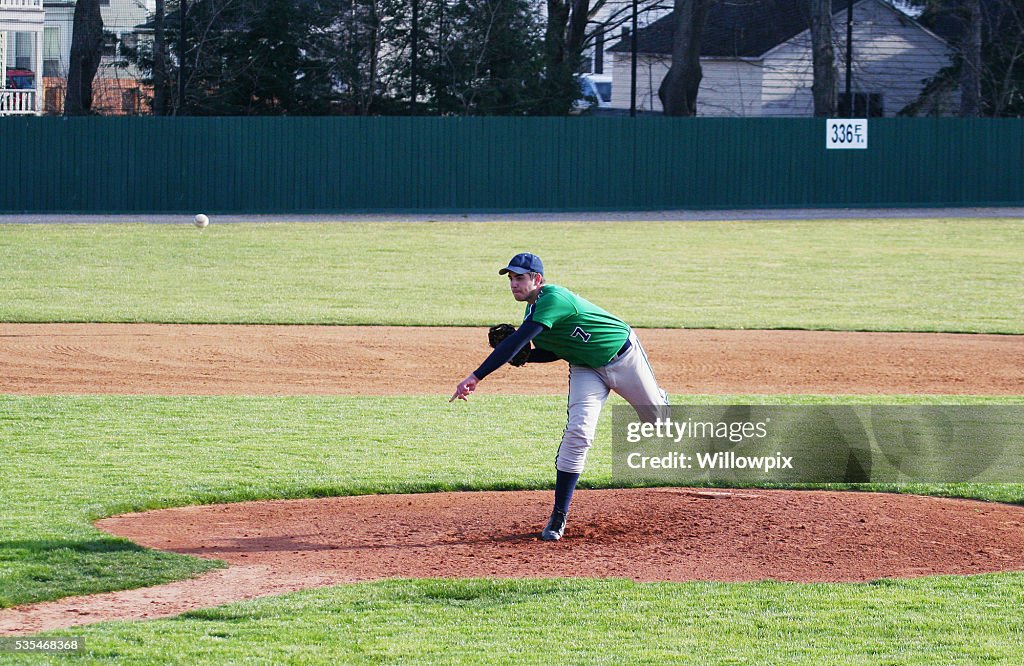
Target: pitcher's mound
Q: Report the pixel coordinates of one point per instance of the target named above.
(663, 534)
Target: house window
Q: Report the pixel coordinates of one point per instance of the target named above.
(109, 44)
(130, 101)
(865, 105)
(129, 41)
(24, 43)
(51, 51)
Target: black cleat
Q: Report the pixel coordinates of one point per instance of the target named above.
(555, 527)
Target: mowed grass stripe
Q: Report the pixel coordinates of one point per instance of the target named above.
(893, 275)
(923, 621)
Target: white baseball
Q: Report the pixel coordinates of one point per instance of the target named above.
(202, 221)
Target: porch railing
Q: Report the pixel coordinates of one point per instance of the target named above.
(14, 102)
(21, 4)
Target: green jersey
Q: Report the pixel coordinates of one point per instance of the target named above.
(574, 328)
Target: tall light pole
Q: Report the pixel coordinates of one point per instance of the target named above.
(182, 11)
(849, 59)
(632, 64)
(160, 82)
(414, 45)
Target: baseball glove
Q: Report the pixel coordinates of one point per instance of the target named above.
(496, 334)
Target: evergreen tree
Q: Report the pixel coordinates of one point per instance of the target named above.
(484, 58)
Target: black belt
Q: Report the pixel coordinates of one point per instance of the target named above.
(622, 350)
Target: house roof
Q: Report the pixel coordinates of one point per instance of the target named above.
(734, 28)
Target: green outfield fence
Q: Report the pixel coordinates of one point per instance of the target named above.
(333, 164)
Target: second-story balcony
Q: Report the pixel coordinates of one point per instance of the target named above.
(20, 14)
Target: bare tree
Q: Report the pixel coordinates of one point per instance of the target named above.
(823, 57)
(161, 100)
(572, 27)
(988, 64)
(1005, 74)
(678, 90)
(566, 31)
(86, 52)
(970, 71)
(366, 44)
(486, 59)
(564, 38)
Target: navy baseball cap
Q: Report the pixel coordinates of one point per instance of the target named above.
(523, 263)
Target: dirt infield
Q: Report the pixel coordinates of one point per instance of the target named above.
(644, 534)
(295, 360)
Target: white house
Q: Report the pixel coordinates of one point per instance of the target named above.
(756, 60)
(609, 20)
(121, 19)
(21, 51)
(116, 87)
(35, 38)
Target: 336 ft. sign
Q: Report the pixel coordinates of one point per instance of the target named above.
(846, 133)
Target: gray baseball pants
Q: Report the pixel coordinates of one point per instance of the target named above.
(630, 375)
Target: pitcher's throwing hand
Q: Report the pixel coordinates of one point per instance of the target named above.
(465, 387)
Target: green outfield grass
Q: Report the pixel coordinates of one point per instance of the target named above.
(926, 275)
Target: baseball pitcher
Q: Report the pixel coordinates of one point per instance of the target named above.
(604, 355)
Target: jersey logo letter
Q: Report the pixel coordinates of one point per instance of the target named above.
(580, 333)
